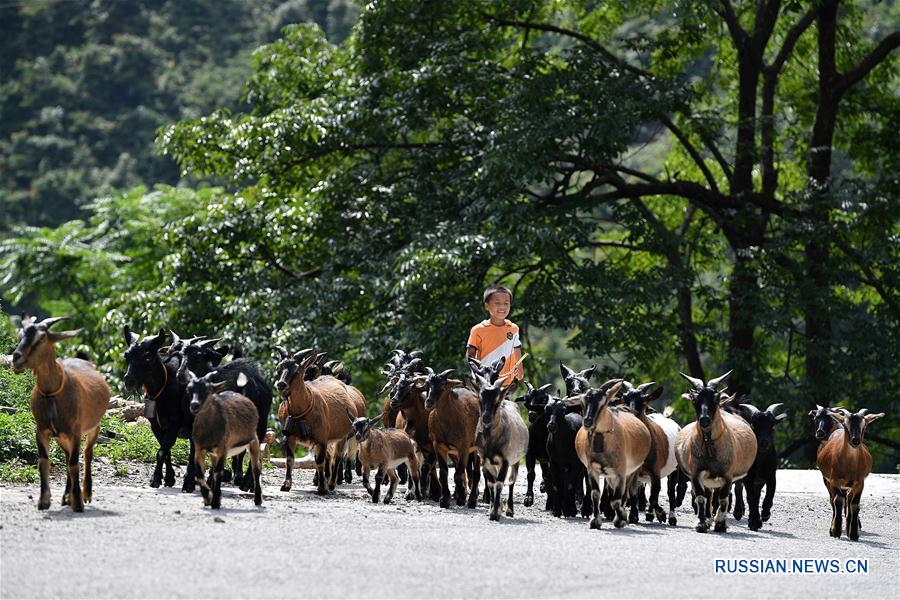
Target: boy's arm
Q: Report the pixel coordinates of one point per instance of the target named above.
(471, 351)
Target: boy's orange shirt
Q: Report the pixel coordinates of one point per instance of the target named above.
(491, 342)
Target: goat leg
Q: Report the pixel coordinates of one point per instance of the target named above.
(530, 460)
(739, 496)
(218, 472)
(476, 475)
(596, 521)
(445, 487)
(255, 467)
(290, 442)
(88, 481)
(671, 482)
(498, 490)
(237, 467)
(586, 499)
(853, 513)
(376, 493)
(770, 495)
(512, 484)
(837, 520)
(655, 508)
(721, 524)
(322, 466)
(392, 475)
(72, 455)
(632, 493)
(189, 484)
(199, 458)
(618, 490)
(459, 480)
(43, 446)
(754, 490)
(700, 499)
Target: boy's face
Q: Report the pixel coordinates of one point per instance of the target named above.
(498, 306)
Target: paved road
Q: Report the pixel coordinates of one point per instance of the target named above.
(137, 542)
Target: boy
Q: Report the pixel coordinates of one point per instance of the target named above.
(497, 337)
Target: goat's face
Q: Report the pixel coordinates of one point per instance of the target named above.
(577, 382)
(706, 404)
(763, 423)
(35, 341)
(198, 357)
(434, 387)
(362, 426)
(595, 400)
(637, 399)
(287, 369)
(200, 389)
(822, 421)
(854, 424)
(142, 360)
(490, 397)
(407, 390)
(555, 412)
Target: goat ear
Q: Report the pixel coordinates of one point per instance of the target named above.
(875, 417)
(836, 417)
(219, 386)
(813, 412)
(374, 420)
(565, 371)
(588, 373)
(350, 416)
(454, 383)
(130, 338)
(242, 380)
(687, 396)
(655, 394)
(781, 417)
(54, 336)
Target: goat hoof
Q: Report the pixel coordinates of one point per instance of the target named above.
(226, 475)
(65, 500)
(387, 499)
(495, 516)
(188, 489)
(472, 503)
(321, 491)
(595, 524)
(44, 503)
(648, 517)
(702, 527)
(765, 516)
(854, 537)
(445, 502)
(738, 515)
(634, 519)
(754, 525)
(78, 507)
(155, 483)
(619, 523)
(286, 486)
(375, 498)
(673, 521)
(835, 534)
(720, 527)
(529, 500)
(509, 512)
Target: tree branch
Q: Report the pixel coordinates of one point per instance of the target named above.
(587, 40)
(691, 150)
(790, 40)
(872, 60)
(738, 35)
(870, 279)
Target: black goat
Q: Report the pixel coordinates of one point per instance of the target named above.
(201, 359)
(566, 470)
(576, 382)
(762, 473)
(535, 402)
(167, 403)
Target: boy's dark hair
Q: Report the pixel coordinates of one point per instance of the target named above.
(494, 289)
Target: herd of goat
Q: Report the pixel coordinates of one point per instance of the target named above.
(603, 451)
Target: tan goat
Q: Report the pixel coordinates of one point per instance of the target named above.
(68, 400)
(452, 422)
(385, 450)
(323, 404)
(714, 451)
(613, 444)
(845, 463)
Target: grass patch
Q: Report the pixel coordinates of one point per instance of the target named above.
(14, 471)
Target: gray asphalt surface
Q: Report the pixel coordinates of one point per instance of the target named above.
(138, 542)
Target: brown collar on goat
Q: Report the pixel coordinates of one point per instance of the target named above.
(165, 382)
(62, 383)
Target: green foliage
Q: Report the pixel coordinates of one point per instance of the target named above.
(15, 471)
(134, 442)
(87, 84)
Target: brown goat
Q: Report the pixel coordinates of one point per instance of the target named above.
(408, 398)
(323, 404)
(845, 463)
(714, 451)
(613, 444)
(224, 425)
(452, 422)
(68, 400)
(385, 449)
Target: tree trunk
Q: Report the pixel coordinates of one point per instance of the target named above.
(815, 290)
(742, 300)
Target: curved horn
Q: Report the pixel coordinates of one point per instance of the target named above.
(209, 343)
(298, 356)
(750, 408)
(545, 388)
(697, 384)
(627, 385)
(175, 338)
(350, 415)
(429, 370)
(446, 373)
(715, 383)
(415, 354)
(644, 386)
(773, 407)
(51, 321)
(282, 351)
(608, 384)
(863, 412)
